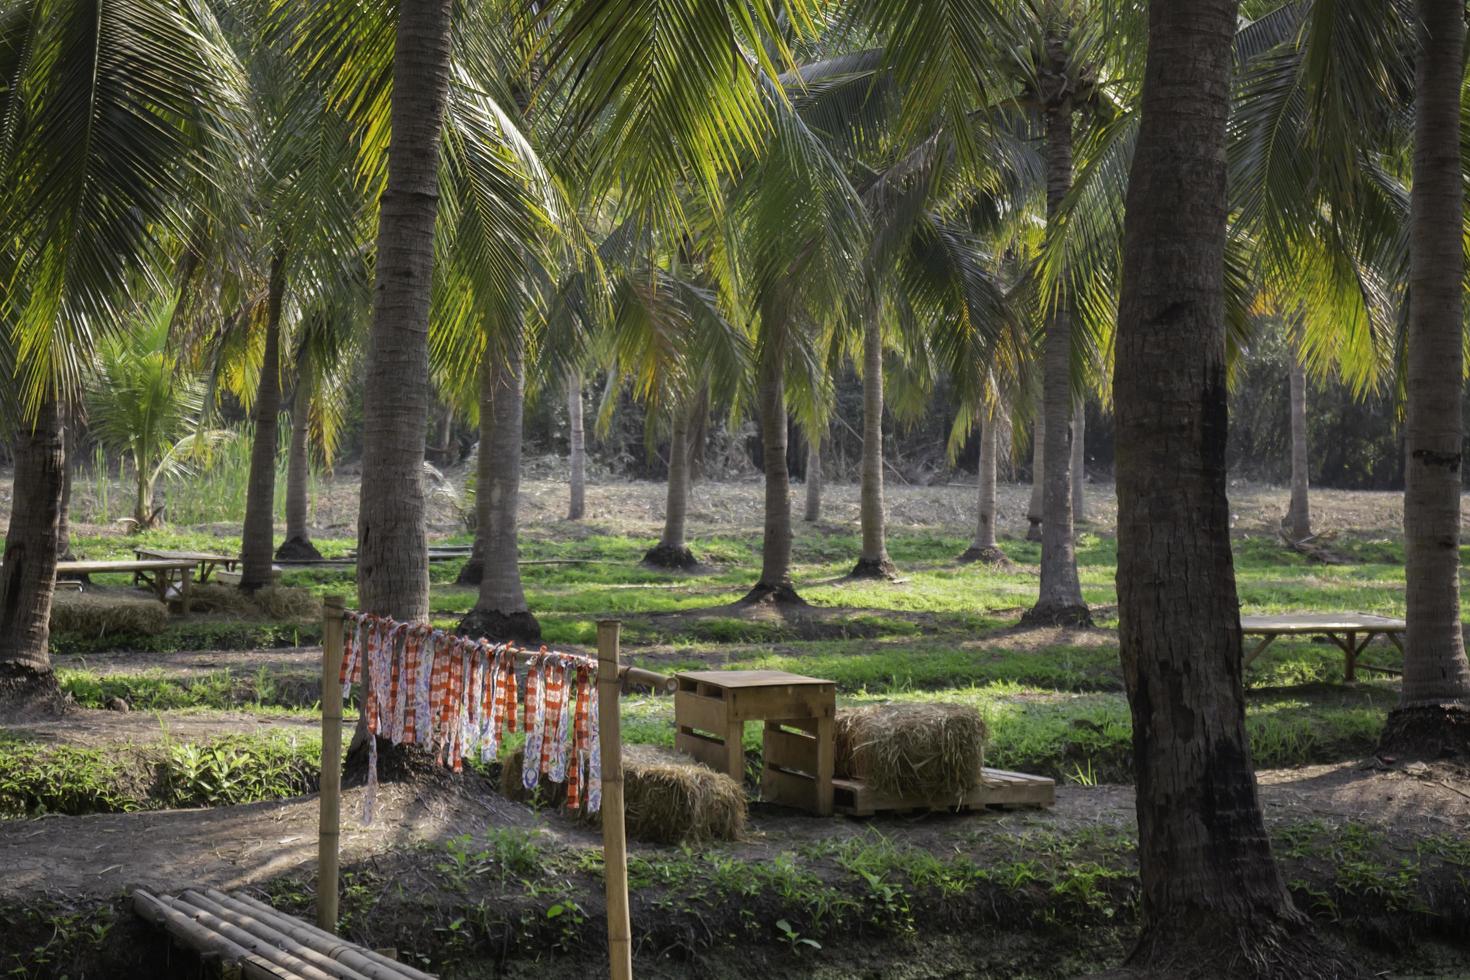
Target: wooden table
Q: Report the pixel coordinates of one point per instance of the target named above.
(205, 561)
(158, 574)
(711, 708)
(1344, 629)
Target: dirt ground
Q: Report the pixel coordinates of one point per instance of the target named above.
(236, 847)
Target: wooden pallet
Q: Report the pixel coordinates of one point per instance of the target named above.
(998, 788)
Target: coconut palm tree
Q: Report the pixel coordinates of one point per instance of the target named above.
(577, 449)
(118, 121)
(1433, 715)
(142, 401)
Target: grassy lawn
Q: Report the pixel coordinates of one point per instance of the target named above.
(1053, 699)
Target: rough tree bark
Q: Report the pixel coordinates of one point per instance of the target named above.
(1035, 510)
(1213, 902)
(984, 547)
(298, 546)
(1059, 599)
(813, 512)
(392, 537)
(1299, 513)
(672, 551)
(775, 581)
(501, 612)
(258, 539)
(874, 561)
(1079, 460)
(1433, 715)
(577, 436)
(28, 576)
(69, 447)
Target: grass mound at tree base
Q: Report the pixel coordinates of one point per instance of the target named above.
(668, 798)
(500, 627)
(670, 556)
(1428, 732)
(919, 751)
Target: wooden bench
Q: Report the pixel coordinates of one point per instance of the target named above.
(711, 708)
(160, 575)
(205, 562)
(1344, 629)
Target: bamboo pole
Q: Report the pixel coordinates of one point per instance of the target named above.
(253, 924)
(204, 942)
(364, 961)
(614, 840)
(329, 824)
(294, 965)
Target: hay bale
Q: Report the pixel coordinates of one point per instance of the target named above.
(286, 602)
(97, 612)
(668, 798)
(914, 751)
(212, 597)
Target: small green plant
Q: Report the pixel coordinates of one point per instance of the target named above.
(793, 938)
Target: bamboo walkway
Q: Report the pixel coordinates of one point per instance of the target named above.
(236, 936)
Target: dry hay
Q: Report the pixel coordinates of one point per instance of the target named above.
(96, 613)
(286, 602)
(213, 597)
(668, 798)
(913, 751)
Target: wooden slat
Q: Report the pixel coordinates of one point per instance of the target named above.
(703, 749)
(790, 750)
(1000, 788)
(788, 788)
(735, 679)
(696, 711)
(751, 704)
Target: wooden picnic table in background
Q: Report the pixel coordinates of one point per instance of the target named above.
(205, 561)
(160, 575)
(1344, 629)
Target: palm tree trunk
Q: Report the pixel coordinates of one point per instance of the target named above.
(1059, 600)
(672, 551)
(1035, 510)
(1299, 514)
(1079, 460)
(501, 612)
(28, 576)
(984, 547)
(69, 445)
(874, 561)
(297, 545)
(258, 540)
(775, 581)
(577, 506)
(1211, 891)
(474, 568)
(392, 537)
(1433, 716)
(813, 480)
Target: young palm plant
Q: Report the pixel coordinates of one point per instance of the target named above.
(141, 401)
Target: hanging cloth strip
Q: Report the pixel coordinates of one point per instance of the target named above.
(457, 697)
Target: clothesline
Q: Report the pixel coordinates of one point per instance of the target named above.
(457, 696)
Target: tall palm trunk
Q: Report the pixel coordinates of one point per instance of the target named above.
(672, 551)
(392, 537)
(28, 576)
(813, 511)
(258, 540)
(1212, 898)
(1299, 514)
(297, 545)
(1433, 716)
(1059, 600)
(69, 448)
(874, 561)
(984, 547)
(474, 568)
(775, 581)
(1079, 460)
(577, 505)
(1035, 510)
(501, 612)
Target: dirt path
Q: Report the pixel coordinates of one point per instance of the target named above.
(239, 846)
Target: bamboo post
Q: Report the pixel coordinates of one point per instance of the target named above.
(333, 610)
(614, 840)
